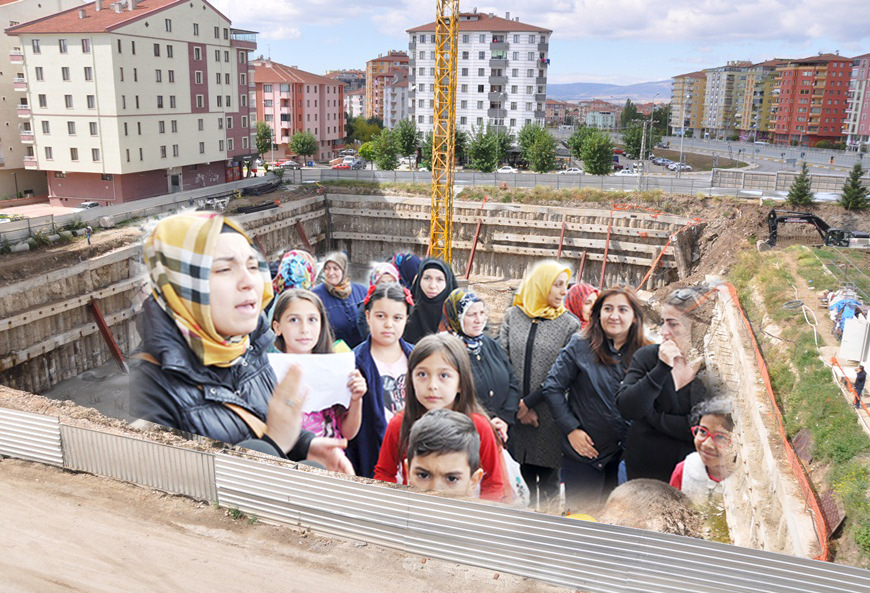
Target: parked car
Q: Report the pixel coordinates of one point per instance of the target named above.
(348, 159)
(347, 152)
(679, 166)
(666, 162)
(618, 151)
(88, 205)
(345, 166)
(626, 173)
(289, 165)
(506, 169)
(571, 171)
(618, 167)
(358, 164)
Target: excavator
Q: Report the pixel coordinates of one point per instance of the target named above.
(831, 237)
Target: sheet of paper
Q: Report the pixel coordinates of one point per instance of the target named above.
(325, 375)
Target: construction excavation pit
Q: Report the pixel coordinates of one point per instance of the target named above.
(71, 440)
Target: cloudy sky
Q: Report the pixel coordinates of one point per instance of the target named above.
(608, 41)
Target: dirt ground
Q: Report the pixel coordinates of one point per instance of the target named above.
(66, 531)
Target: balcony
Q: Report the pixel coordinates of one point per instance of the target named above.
(24, 110)
(30, 162)
(499, 46)
(243, 39)
(19, 83)
(497, 96)
(539, 114)
(26, 136)
(496, 113)
(540, 97)
(540, 80)
(542, 47)
(16, 56)
(498, 80)
(498, 63)
(412, 46)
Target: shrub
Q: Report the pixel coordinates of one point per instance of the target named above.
(40, 239)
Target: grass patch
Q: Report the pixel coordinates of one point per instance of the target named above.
(375, 187)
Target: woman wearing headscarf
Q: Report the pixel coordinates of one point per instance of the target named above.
(407, 264)
(496, 387)
(296, 270)
(383, 272)
(203, 367)
(533, 332)
(341, 299)
(435, 280)
(579, 301)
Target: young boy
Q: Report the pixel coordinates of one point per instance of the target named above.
(444, 454)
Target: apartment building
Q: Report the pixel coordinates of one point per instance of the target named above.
(378, 72)
(501, 72)
(687, 103)
(857, 124)
(352, 80)
(291, 100)
(355, 103)
(557, 113)
(753, 96)
(719, 109)
(395, 99)
(16, 141)
(811, 99)
(131, 100)
(605, 120)
(587, 106)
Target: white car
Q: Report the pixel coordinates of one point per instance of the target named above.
(571, 171)
(625, 173)
(506, 169)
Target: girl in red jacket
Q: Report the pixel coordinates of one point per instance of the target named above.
(441, 378)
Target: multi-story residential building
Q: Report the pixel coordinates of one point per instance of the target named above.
(352, 80)
(606, 120)
(395, 100)
(132, 100)
(378, 73)
(355, 103)
(811, 99)
(857, 124)
(687, 103)
(719, 113)
(501, 78)
(291, 100)
(16, 141)
(753, 96)
(588, 106)
(557, 113)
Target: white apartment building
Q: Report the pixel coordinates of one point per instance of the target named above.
(395, 101)
(501, 76)
(16, 138)
(719, 98)
(354, 103)
(605, 120)
(130, 100)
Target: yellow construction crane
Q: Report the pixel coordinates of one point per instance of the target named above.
(443, 131)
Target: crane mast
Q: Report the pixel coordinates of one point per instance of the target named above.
(443, 131)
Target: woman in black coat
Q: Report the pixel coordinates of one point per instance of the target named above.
(434, 281)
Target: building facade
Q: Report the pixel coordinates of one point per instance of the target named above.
(753, 98)
(395, 99)
(687, 103)
(134, 100)
(857, 124)
(355, 103)
(605, 120)
(719, 104)
(501, 73)
(557, 113)
(16, 141)
(378, 72)
(353, 80)
(291, 100)
(811, 99)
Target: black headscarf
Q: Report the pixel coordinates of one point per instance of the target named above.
(426, 314)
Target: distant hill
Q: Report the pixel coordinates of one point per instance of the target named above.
(638, 93)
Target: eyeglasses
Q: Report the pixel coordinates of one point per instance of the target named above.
(720, 439)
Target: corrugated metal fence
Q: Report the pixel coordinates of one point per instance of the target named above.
(583, 555)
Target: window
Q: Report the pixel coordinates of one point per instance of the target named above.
(480, 104)
(481, 72)
(267, 88)
(464, 88)
(200, 125)
(172, 101)
(141, 157)
(137, 101)
(168, 24)
(38, 72)
(513, 106)
(513, 88)
(202, 148)
(532, 39)
(482, 38)
(217, 77)
(226, 56)
(61, 44)
(529, 90)
(159, 101)
(89, 73)
(197, 53)
(244, 142)
(197, 77)
(229, 123)
(465, 55)
(463, 104)
(175, 150)
(34, 43)
(221, 145)
(46, 127)
(530, 73)
(109, 176)
(139, 127)
(158, 76)
(196, 29)
(480, 88)
(67, 100)
(226, 34)
(217, 55)
(481, 55)
(133, 47)
(64, 73)
(463, 120)
(220, 101)
(217, 32)
(465, 72)
(420, 119)
(135, 75)
(516, 55)
(163, 152)
(86, 46)
(228, 101)
(171, 74)
(49, 153)
(161, 127)
(121, 74)
(74, 154)
(531, 55)
(199, 102)
(125, 128)
(515, 72)
(243, 100)
(123, 101)
(466, 39)
(230, 144)
(227, 78)
(244, 121)
(92, 128)
(422, 55)
(95, 155)
(243, 80)
(71, 128)
(169, 51)
(220, 123)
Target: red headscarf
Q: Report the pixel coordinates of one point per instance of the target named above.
(575, 299)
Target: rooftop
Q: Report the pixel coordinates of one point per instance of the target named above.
(267, 71)
(483, 22)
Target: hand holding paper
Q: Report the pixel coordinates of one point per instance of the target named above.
(326, 376)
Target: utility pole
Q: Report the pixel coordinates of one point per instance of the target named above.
(682, 135)
(642, 156)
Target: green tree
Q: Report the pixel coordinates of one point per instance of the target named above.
(597, 154)
(303, 143)
(367, 151)
(633, 135)
(577, 139)
(426, 152)
(483, 150)
(504, 141)
(854, 192)
(406, 137)
(460, 146)
(629, 114)
(800, 194)
(542, 153)
(386, 150)
(364, 130)
(661, 117)
(264, 138)
(527, 136)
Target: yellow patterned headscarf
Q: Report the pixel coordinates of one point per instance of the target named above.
(179, 255)
(532, 294)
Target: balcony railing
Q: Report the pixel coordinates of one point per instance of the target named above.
(30, 162)
(540, 80)
(543, 47)
(26, 136)
(498, 80)
(16, 56)
(24, 110)
(499, 46)
(498, 63)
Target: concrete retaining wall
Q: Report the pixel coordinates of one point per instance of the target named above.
(763, 502)
(778, 181)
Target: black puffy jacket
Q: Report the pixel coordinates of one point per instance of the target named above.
(181, 392)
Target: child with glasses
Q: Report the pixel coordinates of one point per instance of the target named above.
(700, 475)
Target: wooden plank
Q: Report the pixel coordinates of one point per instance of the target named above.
(290, 221)
(581, 243)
